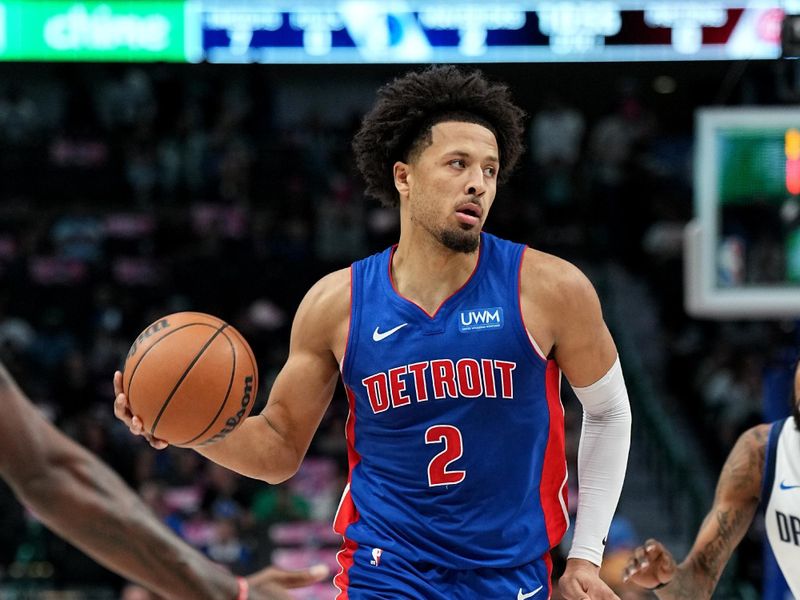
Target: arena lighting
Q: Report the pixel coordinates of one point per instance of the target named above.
(792, 150)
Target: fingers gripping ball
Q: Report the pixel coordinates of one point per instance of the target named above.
(191, 378)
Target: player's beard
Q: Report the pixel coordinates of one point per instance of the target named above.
(463, 239)
(460, 240)
(457, 240)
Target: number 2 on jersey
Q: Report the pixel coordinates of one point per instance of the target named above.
(450, 436)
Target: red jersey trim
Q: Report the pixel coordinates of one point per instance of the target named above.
(345, 559)
(553, 486)
(347, 513)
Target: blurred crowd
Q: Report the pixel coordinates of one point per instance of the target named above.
(130, 192)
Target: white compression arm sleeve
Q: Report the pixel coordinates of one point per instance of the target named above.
(602, 460)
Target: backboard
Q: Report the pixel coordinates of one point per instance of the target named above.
(742, 250)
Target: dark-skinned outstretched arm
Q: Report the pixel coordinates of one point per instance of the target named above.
(83, 500)
(735, 504)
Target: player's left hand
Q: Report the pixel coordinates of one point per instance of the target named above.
(650, 565)
(581, 581)
(122, 410)
(269, 583)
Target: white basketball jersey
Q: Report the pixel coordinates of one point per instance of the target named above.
(781, 496)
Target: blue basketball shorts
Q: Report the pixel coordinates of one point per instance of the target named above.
(372, 574)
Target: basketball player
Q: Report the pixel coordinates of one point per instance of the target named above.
(450, 346)
(83, 500)
(763, 468)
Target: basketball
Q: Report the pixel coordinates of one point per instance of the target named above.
(191, 378)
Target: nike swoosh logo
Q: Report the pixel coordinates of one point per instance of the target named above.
(521, 596)
(785, 486)
(378, 335)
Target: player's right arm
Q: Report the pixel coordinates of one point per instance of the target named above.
(735, 504)
(270, 446)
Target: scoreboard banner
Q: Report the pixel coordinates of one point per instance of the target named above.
(391, 31)
(394, 31)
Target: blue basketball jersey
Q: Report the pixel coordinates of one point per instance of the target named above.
(455, 433)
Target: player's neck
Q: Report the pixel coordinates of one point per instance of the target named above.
(427, 273)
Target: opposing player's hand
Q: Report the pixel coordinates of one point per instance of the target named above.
(651, 565)
(122, 410)
(269, 583)
(581, 581)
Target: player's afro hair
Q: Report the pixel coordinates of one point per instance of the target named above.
(399, 125)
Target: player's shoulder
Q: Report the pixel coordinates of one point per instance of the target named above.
(331, 293)
(323, 315)
(744, 468)
(755, 439)
(334, 282)
(549, 277)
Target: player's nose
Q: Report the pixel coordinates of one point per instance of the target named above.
(476, 183)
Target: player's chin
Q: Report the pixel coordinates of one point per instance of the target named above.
(460, 240)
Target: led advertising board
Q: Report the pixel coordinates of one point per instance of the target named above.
(391, 31)
(54, 30)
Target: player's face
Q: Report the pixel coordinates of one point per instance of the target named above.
(453, 182)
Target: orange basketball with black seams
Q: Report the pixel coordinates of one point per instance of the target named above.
(191, 378)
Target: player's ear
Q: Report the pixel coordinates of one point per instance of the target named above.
(401, 173)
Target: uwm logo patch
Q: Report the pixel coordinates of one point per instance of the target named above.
(480, 319)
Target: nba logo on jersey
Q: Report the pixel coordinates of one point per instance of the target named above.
(376, 557)
(480, 319)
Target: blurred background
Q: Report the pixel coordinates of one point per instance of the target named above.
(195, 155)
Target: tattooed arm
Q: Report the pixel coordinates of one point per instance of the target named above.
(735, 503)
(80, 498)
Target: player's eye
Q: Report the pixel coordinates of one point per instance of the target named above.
(458, 162)
(489, 171)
